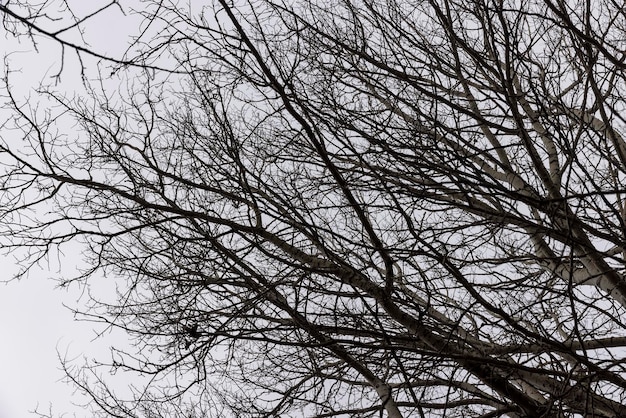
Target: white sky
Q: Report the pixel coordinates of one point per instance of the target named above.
(34, 324)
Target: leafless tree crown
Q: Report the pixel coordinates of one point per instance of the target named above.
(338, 207)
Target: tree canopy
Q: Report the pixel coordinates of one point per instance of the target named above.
(339, 207)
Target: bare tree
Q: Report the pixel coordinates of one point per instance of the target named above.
(342, 208)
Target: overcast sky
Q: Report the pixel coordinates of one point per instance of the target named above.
(35, 326)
